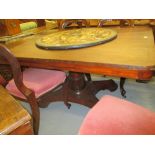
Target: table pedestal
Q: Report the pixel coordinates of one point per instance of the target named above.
(79, 90)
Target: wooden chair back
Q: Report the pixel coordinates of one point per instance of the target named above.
(6, 55)
(68, 22)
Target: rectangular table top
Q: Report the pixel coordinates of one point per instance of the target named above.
(133, 46)
(133, 49)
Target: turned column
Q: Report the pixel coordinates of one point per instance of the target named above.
(76, 81)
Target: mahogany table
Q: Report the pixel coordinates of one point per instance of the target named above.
(131, 55)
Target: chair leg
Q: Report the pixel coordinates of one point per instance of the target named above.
(35, 113)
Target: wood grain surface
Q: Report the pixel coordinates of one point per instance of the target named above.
(133, 51)
(12, 114)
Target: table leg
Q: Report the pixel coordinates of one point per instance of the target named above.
(122, 90)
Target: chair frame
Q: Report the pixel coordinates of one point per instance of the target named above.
(67, 22)
(18, 79)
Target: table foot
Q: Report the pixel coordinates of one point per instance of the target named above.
(105, 84)
(122, 90)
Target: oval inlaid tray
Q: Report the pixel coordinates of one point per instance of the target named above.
(76, 38)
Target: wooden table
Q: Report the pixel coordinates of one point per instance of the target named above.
(131, 55)
(14, 119)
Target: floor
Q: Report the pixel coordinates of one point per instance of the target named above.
(56, 119)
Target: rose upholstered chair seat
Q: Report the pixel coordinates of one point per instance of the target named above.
(32, 85)
(114, 116)
(38, 80)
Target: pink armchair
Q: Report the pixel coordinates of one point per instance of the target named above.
(32, 84)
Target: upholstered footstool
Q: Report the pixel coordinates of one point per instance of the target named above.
(114, 116)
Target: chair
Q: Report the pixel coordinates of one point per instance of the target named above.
(32, 84)
(114, 116)
(65, 23)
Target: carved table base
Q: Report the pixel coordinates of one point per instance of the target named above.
(79, 90)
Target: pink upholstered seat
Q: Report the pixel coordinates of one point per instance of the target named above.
(39, 80)
(112, 115)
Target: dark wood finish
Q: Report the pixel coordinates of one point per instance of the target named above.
(122, 90)
(78, 90)
(9, 27)
(14, 119)
(65, 23)
(83, 92)
(40, 22)
(135, 72)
